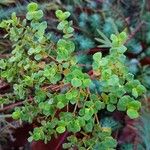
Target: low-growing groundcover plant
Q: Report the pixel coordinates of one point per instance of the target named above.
(54, 91)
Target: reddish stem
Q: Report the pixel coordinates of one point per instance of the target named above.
(13, 105)
(5, 56)
(61, 141)
(135, 31)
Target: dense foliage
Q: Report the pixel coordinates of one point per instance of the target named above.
(57, 95)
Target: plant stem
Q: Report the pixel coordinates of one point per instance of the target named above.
(6, 116)
(5, 55)
(62, 140)
(92, 144)
(75, 108)
(13, 105)
(96, 117)
(84, 134)
(134, 32)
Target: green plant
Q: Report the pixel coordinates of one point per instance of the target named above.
(53, 89)
(116, 79)
(143, 128)
(110, 122)
(20, 7)
(144, 77)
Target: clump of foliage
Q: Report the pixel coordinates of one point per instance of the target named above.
(144, 128)
(145, 77)
(55, 91)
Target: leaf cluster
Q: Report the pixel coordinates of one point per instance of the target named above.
(49, 81)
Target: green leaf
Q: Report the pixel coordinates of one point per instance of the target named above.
(38, 15)
(97, 56)
(40, 95)
(111, 107)
(110, 142)
(31, 51)
(89, 103)
(69, 30)
(57, 77)
(32, 6)
(134, 105)
(76, 82)
(65, 45)
(49, 72)
(34, 15)
(114, 39)
(61, 129)
(95, 65)
(67, 36)
(113, 98)
(87, 82)
(73, 101)
(30, 15)
(38, 57)
(105, 40)
(41, 30)
(129, 77)
(3, 24)
(99, 105)
(74, 126)
(19, 90)
(89, 126)
(121, 49)
(69, 95)
(106, 74)
(62, 15)
(66, 14)
(67, 145)
(2, 64)
(120, 91)
(14, 18)
(62, 25)
(134, 92)
(60, 105)
(123, 103)
(88, 113)
(59, 13)
(123, 36)
(114, 80)
(81, 121)
(133, 114)
(38, 134)
(70, 46)
(62, 55)
(28, 81)
(16, 115)
(74, 93)
(140, 89)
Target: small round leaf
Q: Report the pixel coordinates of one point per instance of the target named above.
(60, 129)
